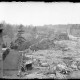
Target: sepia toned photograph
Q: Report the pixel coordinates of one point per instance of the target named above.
(39, 40)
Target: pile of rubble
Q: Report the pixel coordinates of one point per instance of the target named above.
(51, 64)
(54, 63)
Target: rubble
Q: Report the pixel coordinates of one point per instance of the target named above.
(52, 63)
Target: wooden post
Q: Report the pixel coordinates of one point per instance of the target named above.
(21, 61)
(1, 64)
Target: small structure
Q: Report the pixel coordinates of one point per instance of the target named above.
(28, 65)
(25, 64)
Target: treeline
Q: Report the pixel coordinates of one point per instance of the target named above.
(36, 38)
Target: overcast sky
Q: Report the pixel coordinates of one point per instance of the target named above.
(40, 13)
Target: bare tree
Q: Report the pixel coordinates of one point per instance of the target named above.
(8, 30)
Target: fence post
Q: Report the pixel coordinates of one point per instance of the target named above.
(21, 61)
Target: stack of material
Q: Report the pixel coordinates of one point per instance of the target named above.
(11, 61)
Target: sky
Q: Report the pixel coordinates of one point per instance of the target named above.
(40, 13)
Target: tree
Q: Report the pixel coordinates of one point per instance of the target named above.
(50, 34)
(20, 40)
(1, 33)
(13, 46)
(34, 32)
(8, 30)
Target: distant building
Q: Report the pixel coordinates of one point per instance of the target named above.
(75, 30)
